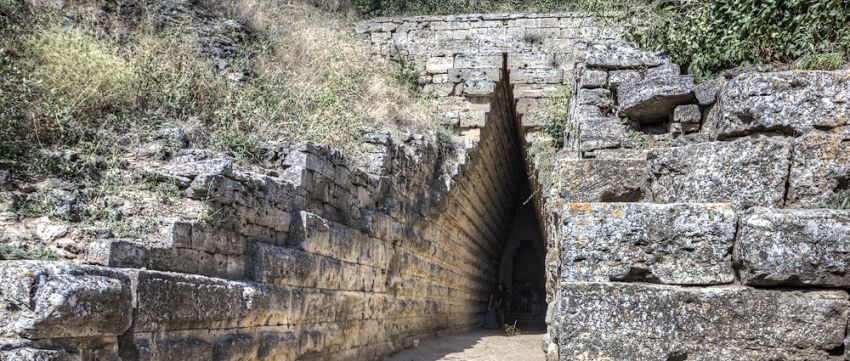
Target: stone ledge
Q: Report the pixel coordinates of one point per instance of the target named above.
(52, 300)
(686, 244)
(615, 321)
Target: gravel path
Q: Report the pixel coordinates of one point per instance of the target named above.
(479, 345)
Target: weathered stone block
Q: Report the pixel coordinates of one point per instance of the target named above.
(478, 61)
(479, 87)
(439, 64)
(235, 347)
(686, 244)
(603, 321)
(599, 97)
(820, 166)
(794, 247)
(281, 265)
(706, 93)
(34, 354)
(687, 114)
(169, 301)
(653, 100)
(623, 58)
(117, 253)
(538, 90)
(169, 347)
(594, 78)
(531, 61)
(791, 101)
(608, 180)
(600, 133)
(537, 76)
(616, 78)
(51, 300)
(666, 70)
(746, 172)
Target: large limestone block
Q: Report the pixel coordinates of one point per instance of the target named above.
(653, 100)
(171, 301)
(687, 244)
(51, 299)
(282, 265)
(747, 172)
(789, 101)
(819, 165)
(794, 247)
(600, 180)
(617, 321)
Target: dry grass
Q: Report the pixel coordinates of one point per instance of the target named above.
(308, 78)
(335, 89)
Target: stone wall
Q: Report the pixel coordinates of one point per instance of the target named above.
(301, 257)
(458, 57)
(693, 222)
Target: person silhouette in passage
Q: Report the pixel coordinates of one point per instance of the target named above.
(494, 304)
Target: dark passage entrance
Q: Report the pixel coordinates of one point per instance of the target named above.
(521, 270)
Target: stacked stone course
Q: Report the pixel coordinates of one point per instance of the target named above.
(302, 257)
(689, 220)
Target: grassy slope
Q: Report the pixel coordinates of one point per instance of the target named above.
(92, 90)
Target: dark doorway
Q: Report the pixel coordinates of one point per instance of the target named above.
(522, 270)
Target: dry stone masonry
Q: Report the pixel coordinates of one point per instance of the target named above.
(301, 257)
(693, 222)
(683, 221)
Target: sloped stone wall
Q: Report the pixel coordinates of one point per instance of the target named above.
(457, 57)
(693, 222)
(303, 256)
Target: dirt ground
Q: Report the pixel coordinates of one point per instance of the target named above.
(479, 345)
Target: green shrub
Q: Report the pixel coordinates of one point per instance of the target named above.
(554, 117)
(445, 135)
(243, 146)
(8, 253)
(710, 36)
(842, 199)
(825, 61)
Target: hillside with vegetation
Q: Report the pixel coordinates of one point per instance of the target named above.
(96, 92)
